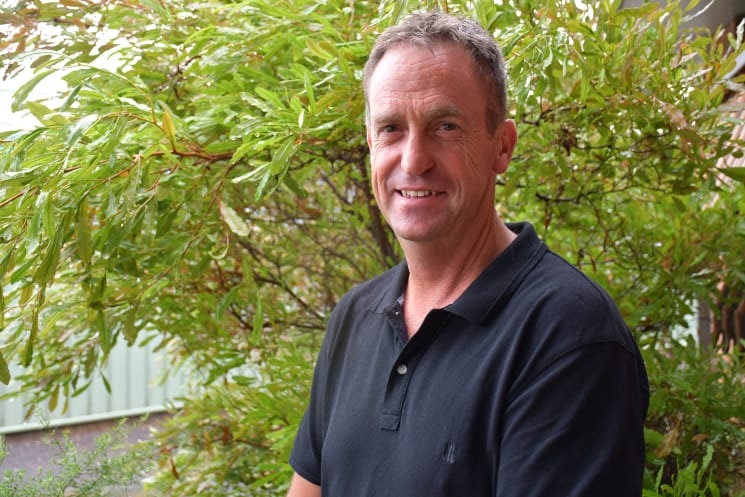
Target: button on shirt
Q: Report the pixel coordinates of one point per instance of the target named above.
(528, 385)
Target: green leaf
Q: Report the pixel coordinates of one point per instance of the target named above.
(54, 398)
(130, 330)
(79, 128)
(736, 173)
(38, 110)
(320, 50)
(233, 220)
(28, 354)
(45, 272)
(105, 337)
(106, 383)
(399, 9)
(4, 370)
(281, 158)
(270, 96)
(225, 302)
(258, 321)
(168, 127)
(23, 92)
(83, 233)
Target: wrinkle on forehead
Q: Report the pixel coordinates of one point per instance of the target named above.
(398, 76)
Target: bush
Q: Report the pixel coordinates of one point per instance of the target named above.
(695, 415)
(691, 481)
(112, 466)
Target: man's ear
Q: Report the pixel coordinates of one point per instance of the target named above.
(506, 135)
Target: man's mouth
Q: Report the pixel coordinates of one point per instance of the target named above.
(417, 193)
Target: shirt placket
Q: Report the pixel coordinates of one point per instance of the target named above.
(406, 364)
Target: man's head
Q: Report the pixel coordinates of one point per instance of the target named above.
(436, 138)
(426, 29)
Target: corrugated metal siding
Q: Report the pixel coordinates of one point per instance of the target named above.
(135, 375)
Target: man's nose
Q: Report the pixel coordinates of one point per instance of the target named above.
(416, 156)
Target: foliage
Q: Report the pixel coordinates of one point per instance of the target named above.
(240, 433)
(622, 154)
(691, 481)
(696, 414)
(111, 466)
(202, 182)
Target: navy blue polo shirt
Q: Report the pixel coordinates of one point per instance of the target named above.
(529, 384)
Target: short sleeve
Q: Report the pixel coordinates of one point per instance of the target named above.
(305, 457)
(576, 428)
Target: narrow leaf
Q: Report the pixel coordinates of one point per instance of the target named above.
(258, 323)
(270, 96)
(83, 233)
(54, 399)
(4, 370)
(46, 270)
(225, 302)
(736, 173)
(106, 384)
(130, 329)
(79, 128)
(25, 90)
(282, 156)
(233, 220)
(168, 128)
(105, 338)
(2, 312)
(29, 352)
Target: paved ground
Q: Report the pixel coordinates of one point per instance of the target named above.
(31, 451)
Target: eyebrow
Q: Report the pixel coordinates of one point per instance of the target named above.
(430, 114)
(446, 111)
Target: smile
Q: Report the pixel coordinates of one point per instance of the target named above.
(417, 193)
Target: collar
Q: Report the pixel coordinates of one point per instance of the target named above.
(494, 286)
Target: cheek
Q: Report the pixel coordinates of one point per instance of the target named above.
(379, 163)
(375, 177)
(478, 157)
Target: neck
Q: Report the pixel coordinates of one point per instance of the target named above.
(440, 272)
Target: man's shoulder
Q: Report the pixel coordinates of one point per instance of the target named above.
(556, 275)
(373, 293)
(549, 272)
(565, 300)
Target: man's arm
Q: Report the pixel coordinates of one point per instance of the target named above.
(300, 487)
(576, 429)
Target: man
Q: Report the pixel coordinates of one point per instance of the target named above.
(484, 365)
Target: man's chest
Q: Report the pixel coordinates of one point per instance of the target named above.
(424, 417)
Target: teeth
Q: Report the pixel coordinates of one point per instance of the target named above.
(417, 193)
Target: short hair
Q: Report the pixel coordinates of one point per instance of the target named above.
(425, 29)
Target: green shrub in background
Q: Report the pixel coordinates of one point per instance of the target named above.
(207, 189)
(694, 480)
(696, 416)
(113, 468)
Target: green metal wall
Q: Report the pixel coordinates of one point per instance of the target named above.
(137, 386)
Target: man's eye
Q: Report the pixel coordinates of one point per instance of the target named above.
(389, 128)
(448, 126)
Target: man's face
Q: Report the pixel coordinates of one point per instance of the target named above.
(434, 160)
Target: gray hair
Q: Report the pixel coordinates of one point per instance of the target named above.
(424, 29)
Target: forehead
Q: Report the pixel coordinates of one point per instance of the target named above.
(409, 74)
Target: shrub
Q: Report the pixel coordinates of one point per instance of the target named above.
(111, 466)
(695, 414)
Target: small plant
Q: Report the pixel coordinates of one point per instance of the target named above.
(695, 414)
(113, 467)
(694, 480)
